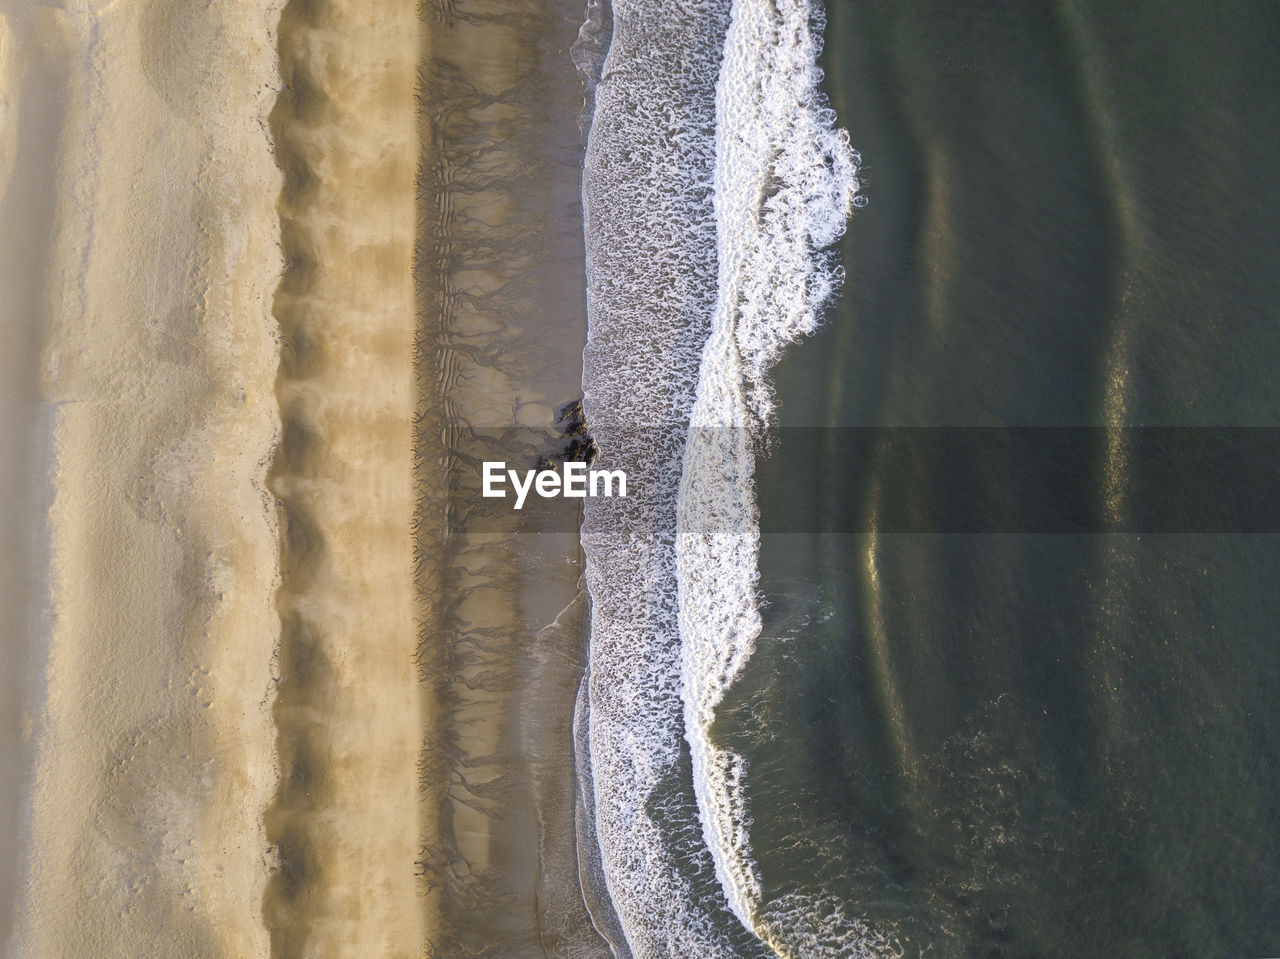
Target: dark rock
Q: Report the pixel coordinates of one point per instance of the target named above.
(581, 448)
(571, 413)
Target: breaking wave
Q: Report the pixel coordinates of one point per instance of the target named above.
(715, 178)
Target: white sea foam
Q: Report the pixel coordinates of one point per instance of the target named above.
(651, 268)
(714, 177)
(785, 181)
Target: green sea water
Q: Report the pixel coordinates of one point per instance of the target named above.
(1030, 743)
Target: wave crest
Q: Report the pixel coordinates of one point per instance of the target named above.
(715, 178)
(785, 184)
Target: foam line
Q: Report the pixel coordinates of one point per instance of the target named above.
(651, 268)
(715, 178)
(785, 183)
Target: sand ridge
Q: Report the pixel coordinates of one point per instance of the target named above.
(344, 822)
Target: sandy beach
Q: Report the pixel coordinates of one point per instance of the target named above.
(270, 694)
(221, 698)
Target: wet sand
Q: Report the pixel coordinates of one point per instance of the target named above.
(500, 275)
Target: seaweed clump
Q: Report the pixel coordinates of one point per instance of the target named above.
(576, 443)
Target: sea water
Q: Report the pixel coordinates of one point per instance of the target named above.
(897, 722)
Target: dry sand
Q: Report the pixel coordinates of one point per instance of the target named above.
(153, 748)
(204, 782)
(345, 822)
